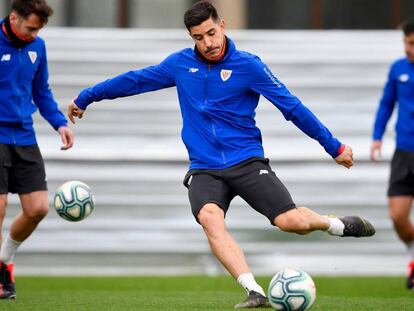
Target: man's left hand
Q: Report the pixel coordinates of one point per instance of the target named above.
(67, 137)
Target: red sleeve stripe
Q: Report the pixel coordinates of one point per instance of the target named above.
(341, 149)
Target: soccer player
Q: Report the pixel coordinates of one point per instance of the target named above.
(400, 88)
(24, 88)
(218, 89)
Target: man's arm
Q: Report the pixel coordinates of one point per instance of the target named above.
(384, 112)
(266, 84)
(43, 97)
(148, 79)
(48, 108)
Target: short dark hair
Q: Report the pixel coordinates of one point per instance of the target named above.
(200, 12)
(408, 26)
(38, 7)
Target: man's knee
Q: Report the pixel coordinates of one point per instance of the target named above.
(402, 226)
(3, 205)
(292, 221)
(398, 216)
(211, 217)
(35, 205)
(37, 211)
(400, 208)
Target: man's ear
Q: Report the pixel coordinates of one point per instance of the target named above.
(222, 24)
(13, 16)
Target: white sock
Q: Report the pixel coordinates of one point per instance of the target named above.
(410, 248)
(248, 282)
(336, 227)
(8, 249)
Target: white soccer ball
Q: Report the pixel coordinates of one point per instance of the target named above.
(292, 289)
(74, 201)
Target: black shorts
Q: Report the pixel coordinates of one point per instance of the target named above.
(253, 180)
(22, 169)
(402, 174)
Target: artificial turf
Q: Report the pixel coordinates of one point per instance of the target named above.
(196, 293)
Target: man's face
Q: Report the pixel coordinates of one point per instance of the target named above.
(409, 46)
(209, 38)
(26, 28)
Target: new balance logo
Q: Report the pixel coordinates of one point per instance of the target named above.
(193, 70)
(6, 57)
(263, 172)
(404, 77)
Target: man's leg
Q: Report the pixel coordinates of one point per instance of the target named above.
(229, 253)
(259, 186)
(303, 220)
(223, 246)
(3, 206)
(34, 209)
(5, 293)
(399, 209)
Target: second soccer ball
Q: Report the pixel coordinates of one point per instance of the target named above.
(74, 200)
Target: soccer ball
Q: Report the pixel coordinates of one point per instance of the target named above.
(74, 201)
(292, 289)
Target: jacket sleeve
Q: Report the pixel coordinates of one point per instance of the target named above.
(148, 79)
(266, 84)
(386, 107)
(43, 97)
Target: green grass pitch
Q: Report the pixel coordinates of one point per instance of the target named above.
(196, 293)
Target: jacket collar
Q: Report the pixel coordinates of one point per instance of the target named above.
(4, 37)
(230, 48)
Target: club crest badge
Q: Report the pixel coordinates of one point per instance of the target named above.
(225, 74)
(33, 56)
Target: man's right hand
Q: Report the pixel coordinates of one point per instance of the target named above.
(346, 158)
(376, 150)
(74, 111)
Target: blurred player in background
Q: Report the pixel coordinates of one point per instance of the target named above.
(218, 89)
(400, 88)
(24, 88)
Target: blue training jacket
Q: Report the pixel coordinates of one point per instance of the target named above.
(24, 88)
(218, 102)
(399, 88)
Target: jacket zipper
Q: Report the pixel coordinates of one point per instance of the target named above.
(213, 127)
(19, 93)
